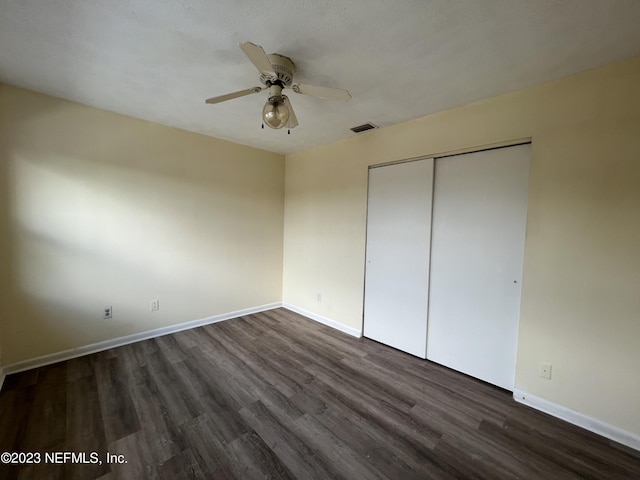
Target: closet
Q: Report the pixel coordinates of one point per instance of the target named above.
(444, 256)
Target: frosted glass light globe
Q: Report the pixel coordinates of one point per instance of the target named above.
(275, 113)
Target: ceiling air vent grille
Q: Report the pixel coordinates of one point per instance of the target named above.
(363, 128)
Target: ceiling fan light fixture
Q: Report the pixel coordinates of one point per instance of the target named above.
(275, 112)
(276, 74)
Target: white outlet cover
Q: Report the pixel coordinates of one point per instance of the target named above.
(545, 370)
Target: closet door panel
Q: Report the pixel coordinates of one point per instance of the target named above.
(397, 255)
(477, 250)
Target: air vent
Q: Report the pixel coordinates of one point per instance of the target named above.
(363, 128)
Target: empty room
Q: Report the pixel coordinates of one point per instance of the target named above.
(320, 240)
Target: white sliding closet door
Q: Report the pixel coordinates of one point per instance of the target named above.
(397, 255)
(477, 249)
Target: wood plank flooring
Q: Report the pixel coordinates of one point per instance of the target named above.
(275, 395)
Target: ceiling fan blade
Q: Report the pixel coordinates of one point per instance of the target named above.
(229, 96)
(293, 120)
(256, 54)
(324, 92)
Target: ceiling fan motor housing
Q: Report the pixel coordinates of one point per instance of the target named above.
(284, 69)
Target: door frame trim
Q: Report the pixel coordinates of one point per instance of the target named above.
(459, 151)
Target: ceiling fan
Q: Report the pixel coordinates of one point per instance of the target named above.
(276, 74)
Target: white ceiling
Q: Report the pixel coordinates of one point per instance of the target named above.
(159, 59)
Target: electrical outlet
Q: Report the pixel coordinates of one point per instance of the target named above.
(107, 311)
(545, 370)
(154, 305)
(319, 297)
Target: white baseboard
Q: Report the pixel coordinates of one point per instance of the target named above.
(136, 337)
(324, 320)
(588, 423)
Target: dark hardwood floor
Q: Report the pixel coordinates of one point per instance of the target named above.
(275, 395)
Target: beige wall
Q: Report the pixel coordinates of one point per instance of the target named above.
(580, 300)
(99, 208)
